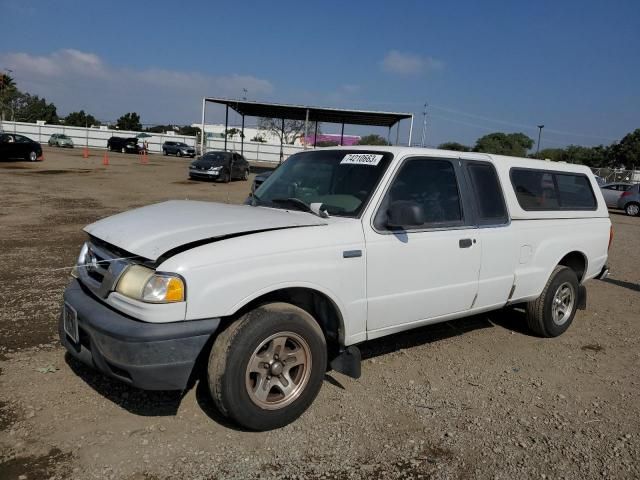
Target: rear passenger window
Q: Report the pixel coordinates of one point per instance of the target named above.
(545, 190)
(429, 183)
(488, 194)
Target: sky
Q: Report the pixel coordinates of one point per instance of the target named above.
(481, 66)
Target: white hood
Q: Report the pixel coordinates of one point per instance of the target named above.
(155, 229)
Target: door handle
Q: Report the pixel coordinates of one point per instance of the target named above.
(465, 242)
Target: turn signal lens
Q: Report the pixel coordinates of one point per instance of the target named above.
(162, 288)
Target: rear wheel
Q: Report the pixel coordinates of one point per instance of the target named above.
(267, 367)
(179, 153)
(123, 150)
(552, 312)
(164, 152)
(632, 209)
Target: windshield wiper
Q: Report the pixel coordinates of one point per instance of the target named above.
(295, 202)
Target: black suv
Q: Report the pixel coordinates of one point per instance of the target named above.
(179, 149)
(223, 166)
(124, 145)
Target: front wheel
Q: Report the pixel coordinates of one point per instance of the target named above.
(179, 154)
(632, 209)
(552, 312)
(267, 367)
(164, 152)
(32, 157)
(123, 150)
(245, 175)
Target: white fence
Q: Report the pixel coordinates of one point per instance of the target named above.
(255, 151)
(97, 138)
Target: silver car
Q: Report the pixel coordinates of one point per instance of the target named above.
(629, 200)
(612, 192)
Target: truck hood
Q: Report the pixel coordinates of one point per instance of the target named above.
(156, 229)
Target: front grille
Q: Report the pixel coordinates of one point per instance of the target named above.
(101, 270)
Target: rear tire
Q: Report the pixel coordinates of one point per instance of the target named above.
(164, 152)
(551, 314)
(277, 345)
(632, 209)
(123, 150)
(179, 153)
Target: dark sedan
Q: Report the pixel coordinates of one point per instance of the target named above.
(224, 166)
(13, 146)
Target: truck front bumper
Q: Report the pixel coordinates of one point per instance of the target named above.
(151, 356)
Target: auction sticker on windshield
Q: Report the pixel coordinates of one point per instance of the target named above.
(361, 159)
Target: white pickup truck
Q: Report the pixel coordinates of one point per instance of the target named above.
(337, 247)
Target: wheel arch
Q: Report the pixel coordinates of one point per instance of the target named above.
(318, 304)
(576, 261)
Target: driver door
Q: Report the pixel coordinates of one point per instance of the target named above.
(419, 274)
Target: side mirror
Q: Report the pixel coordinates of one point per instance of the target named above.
(405, 213)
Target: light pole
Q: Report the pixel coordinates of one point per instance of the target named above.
(540, 127)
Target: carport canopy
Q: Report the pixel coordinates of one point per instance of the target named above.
(284, 112)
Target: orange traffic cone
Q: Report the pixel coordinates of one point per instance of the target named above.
(105, 159)
(85, 153)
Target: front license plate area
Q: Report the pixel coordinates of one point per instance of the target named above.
(70, 322)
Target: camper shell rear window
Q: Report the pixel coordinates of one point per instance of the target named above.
(548, 190)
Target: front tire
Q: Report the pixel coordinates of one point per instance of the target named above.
(267, 367)
(123, 150)
(551, 314)
(245, 175)
(164, 152)
(632, 209)
(32, 157)
(179, 153)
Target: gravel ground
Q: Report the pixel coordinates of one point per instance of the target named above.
(474, 398)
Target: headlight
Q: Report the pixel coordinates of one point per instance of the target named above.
(142, 283)
(215, 169)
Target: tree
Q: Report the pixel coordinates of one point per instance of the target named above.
(373, 139)
(81, 119)
(31, 108)
(259, 139)
(515, 144)
(627, 152)
(327, 143)
(293, 129)
(189, 131)
(232, 132)
(129, 121)
(8, 92)
(455, 146)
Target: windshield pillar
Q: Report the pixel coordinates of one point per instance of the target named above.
(226, 126)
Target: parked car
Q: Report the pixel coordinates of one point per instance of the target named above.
(259, 180)
(629, 201)
(340, 246)
(179, 149)
(60, 140)
(14, 146)
(612, 192)
(224, 166)
(124, 145)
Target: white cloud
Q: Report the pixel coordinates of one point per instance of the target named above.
(75, 80)
(402, 63)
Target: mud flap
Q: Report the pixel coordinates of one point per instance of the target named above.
(348, 362)
(582, 298)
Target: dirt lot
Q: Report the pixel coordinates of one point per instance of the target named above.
(475, 398)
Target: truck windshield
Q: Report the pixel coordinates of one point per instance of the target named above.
(341, 180)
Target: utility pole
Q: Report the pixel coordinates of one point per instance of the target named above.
(540, 127)
(424, 126)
